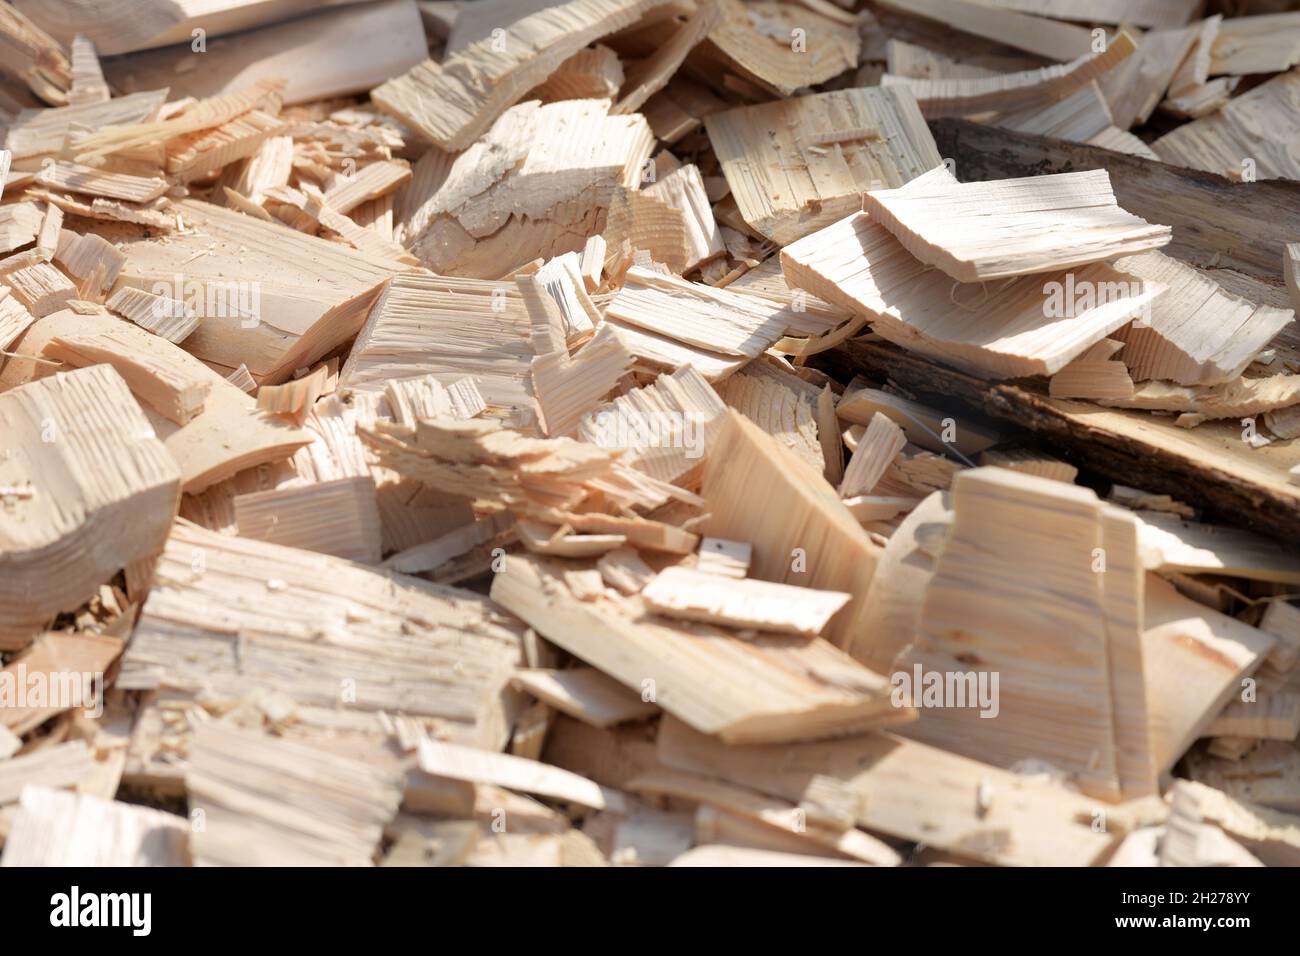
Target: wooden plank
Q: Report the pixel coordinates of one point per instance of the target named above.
(331, 51)
(809, 688)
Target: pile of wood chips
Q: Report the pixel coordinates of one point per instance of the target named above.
(649, 432)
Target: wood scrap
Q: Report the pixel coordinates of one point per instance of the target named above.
(464, 392)
(814, 542)
(585, 694)
(855, 140)
(780, 47)
(1198, 333)
(1037, 208)
(332, 51)
(1002, 333)
(58, 828)
(943, 812)
(125, 490)
(1260, 44)
(821, 692)
(338, 517)
(248, 784)
(1170, 543)
(1145, 13)
(1008, 92)
(1051, 39)
(1245, 140)
(1135, 88)
(1094, 374)
(477, 83)
(760, 605)
(485, 332)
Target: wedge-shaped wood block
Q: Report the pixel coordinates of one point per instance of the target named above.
(1032, 326)
(94, 490)
(757, 490)
(1011, 227)
(267, 296)
(1030, 631)
(799, 164)
(450, 328)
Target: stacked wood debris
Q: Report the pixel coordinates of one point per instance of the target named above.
(649, 432)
